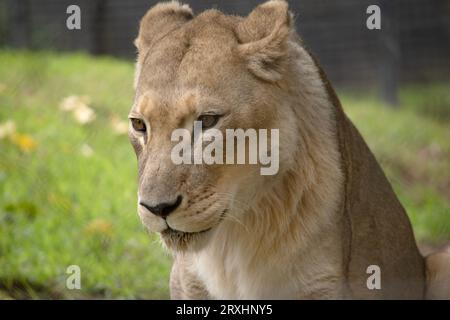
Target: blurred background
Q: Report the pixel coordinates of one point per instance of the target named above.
(68, 173)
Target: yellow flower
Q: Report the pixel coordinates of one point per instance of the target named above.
(84, 115)
(79, 107)
(25, 142)
(86, 150)
(73, 102)
(7, 129)
(99, 227)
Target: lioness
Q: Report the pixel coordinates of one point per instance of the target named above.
(310, 231)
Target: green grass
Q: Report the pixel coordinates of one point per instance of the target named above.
(50, 196)
(60, 206)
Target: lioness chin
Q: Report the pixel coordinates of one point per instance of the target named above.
(310, 231)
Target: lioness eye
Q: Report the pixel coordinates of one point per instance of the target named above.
(208, 120)
(138, 125)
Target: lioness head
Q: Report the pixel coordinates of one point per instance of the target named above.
(228, 72)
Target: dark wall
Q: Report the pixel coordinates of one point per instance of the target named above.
(414, 38)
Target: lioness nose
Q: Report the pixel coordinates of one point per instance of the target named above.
(163, 209)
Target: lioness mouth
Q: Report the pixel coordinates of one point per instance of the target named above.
(179, 239)
(173, 232)
(186, 235)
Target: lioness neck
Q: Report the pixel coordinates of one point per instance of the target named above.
(259, 257)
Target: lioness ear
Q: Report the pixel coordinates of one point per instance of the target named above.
(263, 37)
(159, 20)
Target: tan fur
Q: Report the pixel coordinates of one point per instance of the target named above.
(310, 231)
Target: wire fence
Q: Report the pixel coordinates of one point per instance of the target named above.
(412, 45)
